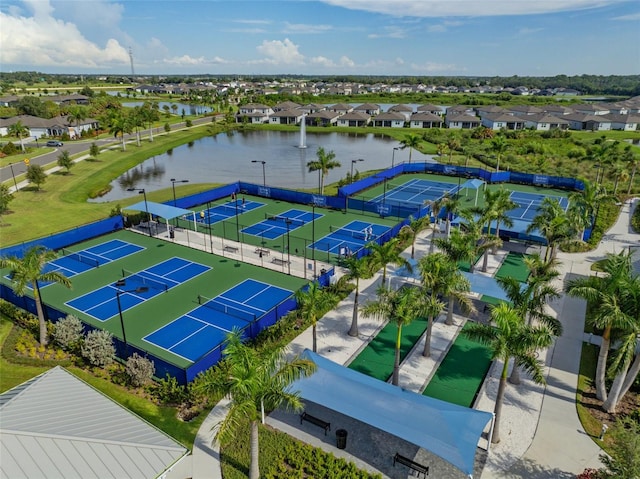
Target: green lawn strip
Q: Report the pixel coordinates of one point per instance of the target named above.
(466, 266)
(162, 417)
(461, 373)
(376, 359)
(513, 266)
(492, 301)
(165, 307)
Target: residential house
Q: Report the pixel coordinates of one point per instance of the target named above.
(10, 100)
(354, 118)
(286, 105)
(254, 113)
(404, 110)
(340, 108)
(322, 118)
(312, 108)
(49, 127)
(389, 119)
(545, 122)
(286, 117)
(370, 109)
(481, 111)
(587, 122)
(74, 98)
(557, 110)
(462, 121)
(624, 122)
(524, 110)
(425, 119)
(591, 109)
(500, 121)
(433, 109)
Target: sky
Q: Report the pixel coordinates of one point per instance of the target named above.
(328, 37)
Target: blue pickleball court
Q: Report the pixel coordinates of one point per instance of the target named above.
(275, 226)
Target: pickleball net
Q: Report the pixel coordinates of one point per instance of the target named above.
(88, 260)
(141, 278)
(217, 305)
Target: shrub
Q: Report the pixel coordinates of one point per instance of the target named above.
(167, 127)
(139, 370)
(22, 318)
(10, 149)
(168, 391)
(68, 333)
(98, 348)
(635, 220)
(188, 123)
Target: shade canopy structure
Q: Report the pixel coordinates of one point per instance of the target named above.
(447, 430)
(159, 209)
(486, 285)
(473, 185)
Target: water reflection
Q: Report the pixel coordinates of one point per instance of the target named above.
(225, 158)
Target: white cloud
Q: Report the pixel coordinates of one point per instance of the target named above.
(634, 17)
(464, 8)
(188, 61)
(42, 40)
(305, 28)
(254, 22)
(392, 31)
(347, 62)
(431, 67)
(322, 61)
(281, 53)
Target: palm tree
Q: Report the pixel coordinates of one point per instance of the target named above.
(358, 268)
(312, 303)
(412, 230)
(553, 224)
(150, 114)
(499, 146)
(323, 164)
(451, 205)
(19, 130)
(586, 201)
(607, 295)
(501, 204)
(459, 246)
(255, 381)
(137, 121)
(29, 271)
(384, 254)
(119, 124)
(77, 113)
(441, 277)
(400, 306)
(411, 142)
(632, 160)
(453, 144)
(509, 337)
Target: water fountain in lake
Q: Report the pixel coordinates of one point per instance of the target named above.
(303, 132)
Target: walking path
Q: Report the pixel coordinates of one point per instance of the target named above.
(541, 434)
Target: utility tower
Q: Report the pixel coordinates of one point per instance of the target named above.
(131, 60)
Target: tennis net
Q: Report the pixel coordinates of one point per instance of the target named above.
(284, 219)
(216, 305)
(425, 190)
(81, 258)
(140, 278)
(347, 233)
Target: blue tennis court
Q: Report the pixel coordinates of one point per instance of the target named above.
(349, 238)
(135, 288)
(275, 226)
(227, 210)
(416, 192)
(528, 204)
(206, 327)
(72, 263)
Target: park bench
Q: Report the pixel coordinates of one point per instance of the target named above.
(262, 252)
(279, 261)
(314, 420)
(231, 249)
(419, 468)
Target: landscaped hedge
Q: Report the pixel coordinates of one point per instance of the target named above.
(635, 219)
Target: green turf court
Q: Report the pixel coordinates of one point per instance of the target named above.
(154, 313)
(461, 373)
(299, 237)
(513, 266)
(376, 359)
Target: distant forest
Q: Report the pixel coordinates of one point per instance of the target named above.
(618, 85)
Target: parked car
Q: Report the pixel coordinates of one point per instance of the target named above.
(54, 143)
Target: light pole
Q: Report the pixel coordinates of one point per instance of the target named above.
(142, 191)
(313, 237)
(173, 186)
(393, 156)
(288, 222)
(264, 177)
(140, 289)
(13, 176)
(353, 162)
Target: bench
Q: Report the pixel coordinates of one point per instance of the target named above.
(231, 249)
(262, 252)
(419, 468)
(314, 420)
(279, 261)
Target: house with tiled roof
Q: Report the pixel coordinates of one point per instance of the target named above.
(588, 122)
(9, 100)
(255, 113)
(524, 110)
(404, 110)
(389, 119)
(340, 108)
(462, 121)
(433, 109)
(628, 122)
(591, 109)
(285, 105)
(489, 109)
(74, 98)
(424, 119)
(312, 107)
(322, 118)
(499, 121)
(557, 110)
(545, 122)
(354, 118)
(370, 109)
(49, 127)
(286, 117)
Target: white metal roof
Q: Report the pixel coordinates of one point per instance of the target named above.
(56, 426)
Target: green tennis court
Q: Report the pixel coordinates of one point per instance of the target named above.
(376, 359)
(461, 373)
(514, 267)
(142, 319)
